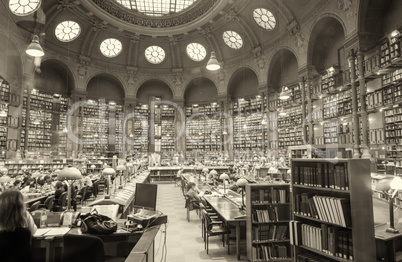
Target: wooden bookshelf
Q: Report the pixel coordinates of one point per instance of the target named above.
(268, 212)
(332, 210)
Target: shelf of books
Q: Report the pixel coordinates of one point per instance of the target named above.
(94, 121)
(167, 128)
(248, 130)
(4, 98)
(117, 109)
(268, 214)
(203, 129)
(141, 129)
(18, 167)
(330, 199)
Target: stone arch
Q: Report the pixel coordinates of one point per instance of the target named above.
(105, 72)
(109, 81)
(317, 27)
(12, 71)
(244, 76)
(207, 93)
(58, 65)
(154, 87)
(143, 81)
(188, 81)
(285, 56)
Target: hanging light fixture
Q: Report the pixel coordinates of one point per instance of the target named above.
(213, 63)
(34, 49)
(284, 93)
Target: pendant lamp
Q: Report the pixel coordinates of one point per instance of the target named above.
(213, 63)
(34, 49)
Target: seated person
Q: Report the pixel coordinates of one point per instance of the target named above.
(86, 180)
(13, 213)
(193, 194)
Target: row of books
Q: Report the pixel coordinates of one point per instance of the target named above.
(329, 209)
(271, 214)
(268, 252)
(327, 239)
(328, 175)
(263, 233)
(310, 258)
(271, 195)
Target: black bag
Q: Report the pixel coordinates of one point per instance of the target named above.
(95, 223)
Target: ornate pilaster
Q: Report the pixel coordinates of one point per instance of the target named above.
(355, 116)
(363, 111)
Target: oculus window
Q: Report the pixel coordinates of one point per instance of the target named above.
(67, 31)
(196, 51)
(264, 18)
(156, 7)
(155, 54)
(232, 39)
(111, 47)
(23, 7)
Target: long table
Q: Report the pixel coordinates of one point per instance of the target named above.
(230, 213)
(227, 207)
(168, 173)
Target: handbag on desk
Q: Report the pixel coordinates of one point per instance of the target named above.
(95, 223)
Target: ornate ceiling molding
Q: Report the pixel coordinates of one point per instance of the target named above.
(199, 14)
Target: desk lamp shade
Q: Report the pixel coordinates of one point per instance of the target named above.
(5, 179)
(213, 172)
(93, 166)
(36, 174)
(121, 168)
(70, 173)
(3, 171)
(129, 165)
(241, 182)
(205, 170)
(223, 176)
(109, 171)
(57, 171)
(105, 165)
(40, 166)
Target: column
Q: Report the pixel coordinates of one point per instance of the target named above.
(363, 111)
(355, 116)
(180, 124)
(128, 125)
(307, 86)
(303, 95)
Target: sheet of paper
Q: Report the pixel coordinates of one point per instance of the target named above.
(57, 231)
(107, 210)
(40, 231)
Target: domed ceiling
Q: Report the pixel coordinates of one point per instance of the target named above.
(164, 35)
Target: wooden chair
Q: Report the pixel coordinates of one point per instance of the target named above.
(16, 245)
(214, 230)
(190, 206)
(34, 206)
(83, 196)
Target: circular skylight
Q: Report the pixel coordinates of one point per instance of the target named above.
(155, 54)
(196, 51)
(156, 7)
(23, 7)
(110, 47)
(232, 39)
(67, 31)
(264, 18)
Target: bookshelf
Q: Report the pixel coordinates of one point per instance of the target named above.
(268, 211)
(4, 99)
(332, 210)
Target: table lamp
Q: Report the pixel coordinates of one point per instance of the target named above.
(390, 186)
(223, 177)
(36, 175)
(3, 171)
(241, 182)
(70, 173)
(93, 167)
(121, 168)
(130, 167)
(108, 172)
(205, 171)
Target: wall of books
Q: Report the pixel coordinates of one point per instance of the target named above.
(4, 99)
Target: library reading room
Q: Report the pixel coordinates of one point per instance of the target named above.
(200, 130)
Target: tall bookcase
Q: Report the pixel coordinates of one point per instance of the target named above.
(332, 210)
(268, 214)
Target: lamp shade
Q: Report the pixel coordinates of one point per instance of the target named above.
(5, 179)
(40, 166)
(224, 176)
(69, 173)
(36, 174)
(213, 63)
(284, 94)
(213, 172)
(205, 170)
(241, 182)
(129, 165)
(34, 49)
(57, 171)
(3, 171)
(93, 166)
(121, 168)
(109, 171)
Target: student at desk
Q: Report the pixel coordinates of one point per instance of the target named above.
(193, 194)
(13, 213)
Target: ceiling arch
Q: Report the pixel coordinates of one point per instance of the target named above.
(105, 86)
(55, 77)
(243, 83)
(154, 88)
(282, 69)
(200, 90)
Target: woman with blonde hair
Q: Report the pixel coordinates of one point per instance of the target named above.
(13, 213)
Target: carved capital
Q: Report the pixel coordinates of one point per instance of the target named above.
(232, 15)
(97, 25)
(131, 77)
(177, 76)
(205, 32)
